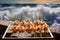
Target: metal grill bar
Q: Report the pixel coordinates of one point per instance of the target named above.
(36, 35)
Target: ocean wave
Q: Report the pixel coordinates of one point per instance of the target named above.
(41, 12)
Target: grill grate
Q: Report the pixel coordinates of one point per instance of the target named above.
(31, 35)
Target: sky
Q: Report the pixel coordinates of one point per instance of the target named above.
(11, 1)
(32, 1)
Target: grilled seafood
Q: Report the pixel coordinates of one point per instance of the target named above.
(30, 26)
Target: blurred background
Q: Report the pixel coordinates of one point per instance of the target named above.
(29, 12)
(48, 12)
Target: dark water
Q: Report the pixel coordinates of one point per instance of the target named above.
(32, 5)
(17, 5)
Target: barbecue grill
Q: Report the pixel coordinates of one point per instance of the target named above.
(37, 35)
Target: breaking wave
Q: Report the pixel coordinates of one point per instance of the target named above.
(41, 12)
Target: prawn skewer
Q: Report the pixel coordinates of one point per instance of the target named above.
(30, 26)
